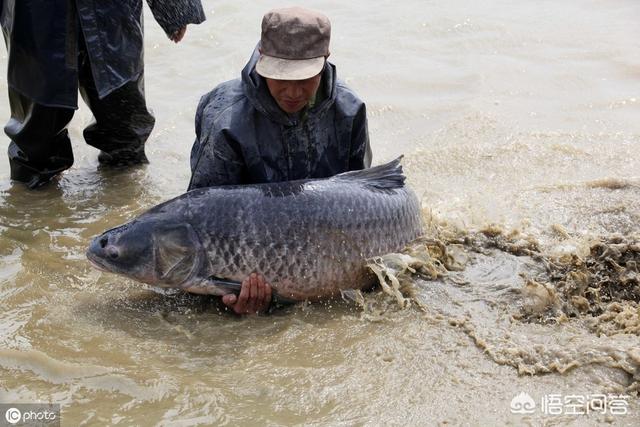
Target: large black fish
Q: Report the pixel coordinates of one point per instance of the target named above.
(309, 238)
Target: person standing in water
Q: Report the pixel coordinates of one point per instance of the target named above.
(288, 117)
(59, 46)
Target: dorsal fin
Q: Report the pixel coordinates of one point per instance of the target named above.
(383, 177)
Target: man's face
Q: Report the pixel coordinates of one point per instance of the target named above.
(293, 95)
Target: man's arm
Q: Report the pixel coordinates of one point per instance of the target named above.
(174, 15)
(216, 158)
(360, 155)
(214, 162)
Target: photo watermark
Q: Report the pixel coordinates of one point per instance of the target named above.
(571, 404)
(29, 414)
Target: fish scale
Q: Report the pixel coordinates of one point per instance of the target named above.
(309, 238)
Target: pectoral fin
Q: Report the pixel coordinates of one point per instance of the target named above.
(217, 286)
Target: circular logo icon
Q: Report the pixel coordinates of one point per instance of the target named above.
(13, 415)
(523, 404)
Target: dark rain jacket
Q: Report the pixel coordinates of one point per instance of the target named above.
(243, 137)
(41, 37)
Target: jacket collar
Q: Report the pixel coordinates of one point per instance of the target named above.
(256, 90)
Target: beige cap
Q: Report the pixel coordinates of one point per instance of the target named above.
(294, 44)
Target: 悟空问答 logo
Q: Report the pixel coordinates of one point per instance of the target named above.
(523, 404)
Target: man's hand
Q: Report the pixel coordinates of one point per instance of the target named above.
(178, 35)
(254, 298)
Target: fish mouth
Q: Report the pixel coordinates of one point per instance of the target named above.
(97, 262)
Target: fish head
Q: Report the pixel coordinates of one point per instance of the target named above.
(152, 251)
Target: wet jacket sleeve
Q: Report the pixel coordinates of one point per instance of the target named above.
(360, 154)
(215, 157)
(175, 14)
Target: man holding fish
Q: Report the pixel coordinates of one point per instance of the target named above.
(287, 118)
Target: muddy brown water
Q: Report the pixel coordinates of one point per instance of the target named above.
(517, 118)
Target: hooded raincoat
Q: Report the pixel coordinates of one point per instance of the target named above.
(43, 47)
(243, 137)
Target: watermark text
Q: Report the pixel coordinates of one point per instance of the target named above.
(571, 404)
(29, 414)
